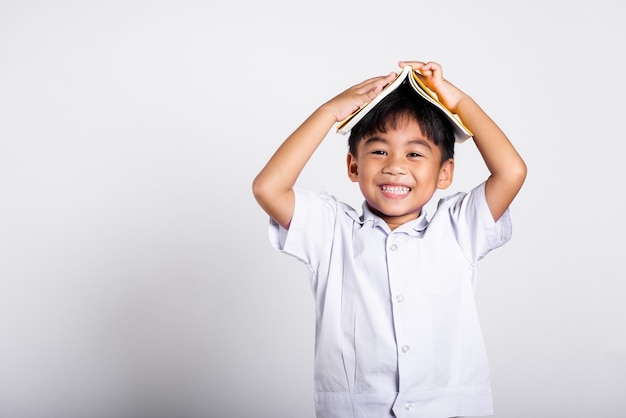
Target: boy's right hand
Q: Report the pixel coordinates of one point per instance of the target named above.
(273, 186)
(348, 102)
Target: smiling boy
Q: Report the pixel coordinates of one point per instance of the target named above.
(397, 332)
(398, 169)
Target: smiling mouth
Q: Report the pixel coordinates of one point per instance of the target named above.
(395, 190)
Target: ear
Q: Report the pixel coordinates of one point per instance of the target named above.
(446, 173)
(353, 167)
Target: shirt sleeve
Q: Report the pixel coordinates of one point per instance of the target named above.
(476, 231)
(311, 230)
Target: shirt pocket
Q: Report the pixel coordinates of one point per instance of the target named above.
(443, 267)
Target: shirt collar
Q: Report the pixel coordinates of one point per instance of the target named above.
(418, 225)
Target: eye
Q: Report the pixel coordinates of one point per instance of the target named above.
(414, 155)
(379, 152)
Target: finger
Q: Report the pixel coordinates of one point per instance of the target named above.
(420, 68)
(384, 81)
(433, 65)
(427, 69)
(377, 80)
(367, 82)
(416, 65)
(432, 69)
(371, 88)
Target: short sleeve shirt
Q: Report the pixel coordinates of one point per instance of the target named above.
(397, 331)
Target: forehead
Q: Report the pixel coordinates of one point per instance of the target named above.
(402, 129)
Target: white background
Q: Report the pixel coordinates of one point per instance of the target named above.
(136, 277)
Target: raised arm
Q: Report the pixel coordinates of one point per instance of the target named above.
(508, 170)
(273, 186)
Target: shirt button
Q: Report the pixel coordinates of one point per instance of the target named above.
(393, 247)
(399, 298)
(408, 406)
(405, 348)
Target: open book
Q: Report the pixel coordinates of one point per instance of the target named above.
(461, 133)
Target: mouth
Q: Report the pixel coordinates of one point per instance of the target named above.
(395, 190)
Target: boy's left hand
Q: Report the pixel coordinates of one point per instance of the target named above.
(432, 76)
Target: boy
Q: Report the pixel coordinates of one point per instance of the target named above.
(397, 333)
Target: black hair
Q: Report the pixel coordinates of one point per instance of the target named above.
(404, 102)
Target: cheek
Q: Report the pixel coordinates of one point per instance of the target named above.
(367, 191)
(369, 165)
(366, 176)
(367, 173)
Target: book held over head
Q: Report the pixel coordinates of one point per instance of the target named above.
(407, 75)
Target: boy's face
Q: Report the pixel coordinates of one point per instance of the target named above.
(398, 171)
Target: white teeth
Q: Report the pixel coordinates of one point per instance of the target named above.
(395, 189)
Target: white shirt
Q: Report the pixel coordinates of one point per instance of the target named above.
(396, 324)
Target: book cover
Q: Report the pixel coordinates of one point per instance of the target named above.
(461, 132)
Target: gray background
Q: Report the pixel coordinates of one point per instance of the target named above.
(136, 278)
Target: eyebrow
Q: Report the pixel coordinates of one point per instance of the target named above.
(416, 141)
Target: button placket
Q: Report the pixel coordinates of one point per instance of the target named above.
(398, 292)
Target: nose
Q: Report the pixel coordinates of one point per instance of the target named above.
(394, 165)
